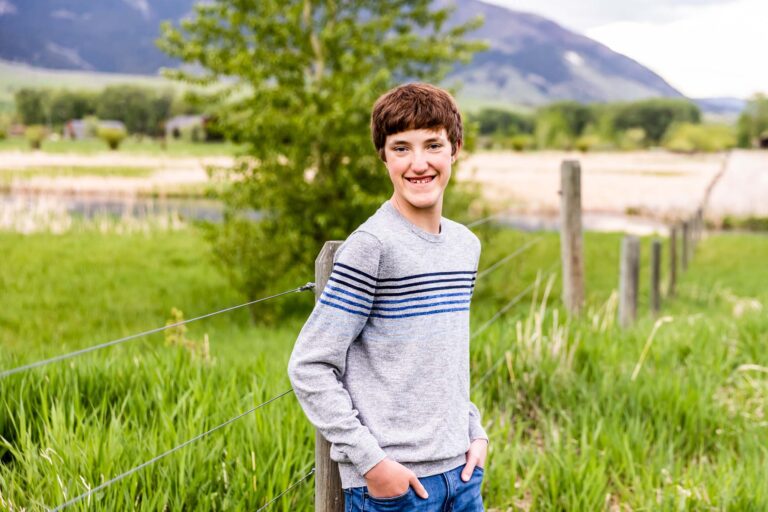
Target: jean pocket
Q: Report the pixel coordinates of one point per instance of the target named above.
(391, 504)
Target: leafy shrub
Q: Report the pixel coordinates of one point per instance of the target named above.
(587, 142)
(521, 142)
(631, 139)
(112, 135)
(35, 135)
(690, 138)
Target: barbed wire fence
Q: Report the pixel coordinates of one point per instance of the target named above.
(568, 257)
(306, 287)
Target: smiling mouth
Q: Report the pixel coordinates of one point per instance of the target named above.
(419, 181)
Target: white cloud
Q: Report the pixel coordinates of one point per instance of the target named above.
(6, 7)
(140, 5)
(715, 51)
(587, 14)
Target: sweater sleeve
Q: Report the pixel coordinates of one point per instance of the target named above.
(318, 360)
(476, 430)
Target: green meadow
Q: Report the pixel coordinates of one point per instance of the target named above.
(131, 146)
(582, 415)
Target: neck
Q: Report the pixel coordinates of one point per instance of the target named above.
(427, 219)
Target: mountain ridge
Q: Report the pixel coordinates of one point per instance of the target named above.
(531, 60)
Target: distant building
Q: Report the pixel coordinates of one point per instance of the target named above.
(79, 129)
(181, 125)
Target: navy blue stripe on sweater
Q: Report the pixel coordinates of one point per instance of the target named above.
(402, 308)
(396, 294)
(407, 285)
(397, 301)
(404, 315)
(405, 278)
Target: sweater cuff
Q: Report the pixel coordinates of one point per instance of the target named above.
(365, 453)
(476, 431)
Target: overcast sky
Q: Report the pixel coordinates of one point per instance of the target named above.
(704, 48)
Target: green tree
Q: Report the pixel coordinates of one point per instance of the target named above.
(753, 122)
(32, 105)
(299, 79)
(654, 116)
(496, 121)
(559, 124)
(67, 105)
(141, 109)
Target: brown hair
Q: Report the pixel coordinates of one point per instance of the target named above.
(415, 106)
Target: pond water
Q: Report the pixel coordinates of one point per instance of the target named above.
(59, 212)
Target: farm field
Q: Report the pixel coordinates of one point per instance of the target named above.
(571, 429)
(654, 185)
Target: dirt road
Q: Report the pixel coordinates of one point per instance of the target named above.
(655, 184)
(742, 190)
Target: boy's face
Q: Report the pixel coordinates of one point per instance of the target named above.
(419, 165)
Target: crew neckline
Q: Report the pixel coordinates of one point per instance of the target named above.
(426, 235)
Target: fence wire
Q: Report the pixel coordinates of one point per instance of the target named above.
(305, 287)
(511, 303)
(294, 484)
(69, 355)
(164, 454)
(508, 257)
(495, 317)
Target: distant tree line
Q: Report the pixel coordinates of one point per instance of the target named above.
(143, 110)
(675, 124)
(752, 126)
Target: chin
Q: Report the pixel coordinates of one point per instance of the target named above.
(423, 203)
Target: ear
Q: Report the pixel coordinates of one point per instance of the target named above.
(455, 153)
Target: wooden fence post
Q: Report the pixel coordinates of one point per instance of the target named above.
(571, 240)
(672, 261)
(329, 496)
(686, 245)
(699, 225)
(629, 279)
(655, 276)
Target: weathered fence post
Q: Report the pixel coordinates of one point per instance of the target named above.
(699, 225)
(629, 279)
(329, 496)
(571, 240)
(686, 245)
(672, 261)
(655, 276)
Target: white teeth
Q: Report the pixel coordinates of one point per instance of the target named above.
(420, 181)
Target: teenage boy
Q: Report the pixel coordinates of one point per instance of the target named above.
(381, 367)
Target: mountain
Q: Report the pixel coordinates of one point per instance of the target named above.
(724, 106)
(531, 60)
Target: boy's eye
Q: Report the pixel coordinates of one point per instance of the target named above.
(435, 145)
(399, 149)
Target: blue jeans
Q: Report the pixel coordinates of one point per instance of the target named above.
(447, 493)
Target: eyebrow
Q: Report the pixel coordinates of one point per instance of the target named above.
(433, 139)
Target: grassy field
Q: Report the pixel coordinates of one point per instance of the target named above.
(15, 76)
(570, 427)
(131, 145)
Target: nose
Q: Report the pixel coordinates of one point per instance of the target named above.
(419, 163)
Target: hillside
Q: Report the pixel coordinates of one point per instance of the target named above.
(531, 60)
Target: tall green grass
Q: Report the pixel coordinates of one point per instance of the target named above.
(570, 429)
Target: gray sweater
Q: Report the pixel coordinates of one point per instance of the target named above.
(381, 367)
